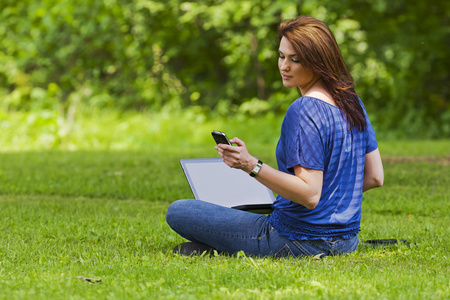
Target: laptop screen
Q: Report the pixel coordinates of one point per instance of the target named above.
(211, 180)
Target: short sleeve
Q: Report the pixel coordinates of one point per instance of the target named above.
(372, 143)
(304, 142)
(371, 139)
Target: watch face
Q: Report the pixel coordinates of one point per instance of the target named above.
(256, 169)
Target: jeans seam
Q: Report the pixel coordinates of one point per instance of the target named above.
(353, 248)
(259, 238)
(355, 245)
(214, 233)
(306, 252)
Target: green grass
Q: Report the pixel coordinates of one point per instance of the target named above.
(101, 214)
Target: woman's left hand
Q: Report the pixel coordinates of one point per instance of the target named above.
(237, 156)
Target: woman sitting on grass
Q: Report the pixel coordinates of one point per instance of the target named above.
(327, 157)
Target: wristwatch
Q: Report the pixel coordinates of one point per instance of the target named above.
(256, 169)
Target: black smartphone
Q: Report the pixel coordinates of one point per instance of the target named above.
(220, 137)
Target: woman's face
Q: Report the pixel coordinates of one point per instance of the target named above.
(292, 71)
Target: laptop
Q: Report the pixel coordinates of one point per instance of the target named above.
(211, 180)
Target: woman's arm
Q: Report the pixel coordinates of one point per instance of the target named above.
(373, 171)
(305, 187)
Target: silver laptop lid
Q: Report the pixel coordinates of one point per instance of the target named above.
(211, 180)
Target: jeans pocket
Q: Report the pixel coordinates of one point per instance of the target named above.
(345, 246)
(354, 246)
(285, 252)
(309, 248)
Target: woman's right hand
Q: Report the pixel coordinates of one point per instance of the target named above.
(237, 156)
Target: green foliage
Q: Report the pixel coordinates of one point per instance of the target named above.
(220, 55)
(101, 214)
(187, 129)
(403, 71)
(112, 130)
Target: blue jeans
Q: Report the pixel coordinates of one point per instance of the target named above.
(230, 231)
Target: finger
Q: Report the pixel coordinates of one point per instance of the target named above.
(226, 160)
(225, 147)
(238, 142)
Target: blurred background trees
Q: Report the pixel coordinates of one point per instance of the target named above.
(220, 57)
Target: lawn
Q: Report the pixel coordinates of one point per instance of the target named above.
(101, 215)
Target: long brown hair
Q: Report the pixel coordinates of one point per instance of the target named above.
(318, 51)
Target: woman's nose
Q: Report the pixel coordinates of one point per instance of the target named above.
(284, 66)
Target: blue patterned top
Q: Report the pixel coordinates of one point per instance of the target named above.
(315, 135)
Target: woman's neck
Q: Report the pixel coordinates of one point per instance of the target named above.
(317, 90)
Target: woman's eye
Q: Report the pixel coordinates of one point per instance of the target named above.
(296, 61)
(281, 56)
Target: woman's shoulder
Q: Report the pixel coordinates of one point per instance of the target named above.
(311, 106)
(323, 96)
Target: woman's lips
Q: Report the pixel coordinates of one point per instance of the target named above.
(285, 76)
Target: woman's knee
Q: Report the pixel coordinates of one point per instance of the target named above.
(176, 210)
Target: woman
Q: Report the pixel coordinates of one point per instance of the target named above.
(327, 157)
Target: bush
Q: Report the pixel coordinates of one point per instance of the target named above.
(220, 55)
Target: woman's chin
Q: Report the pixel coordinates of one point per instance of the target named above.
(286, 84)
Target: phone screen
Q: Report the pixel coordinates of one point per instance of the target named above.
(220, 137)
